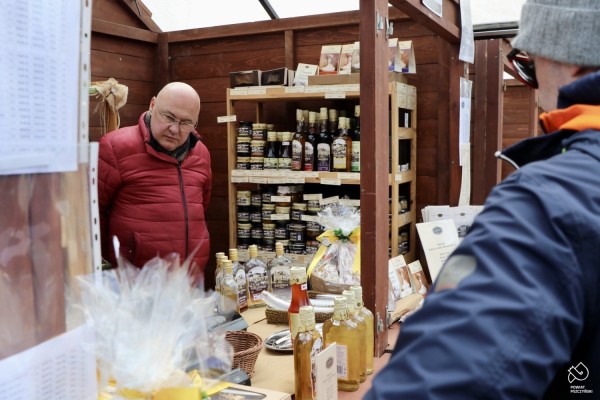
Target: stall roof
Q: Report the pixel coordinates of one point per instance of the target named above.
(174, 15)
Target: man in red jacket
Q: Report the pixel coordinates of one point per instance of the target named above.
(154, 183)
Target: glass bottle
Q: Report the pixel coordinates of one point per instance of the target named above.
(218, 270)
(299, 298)
(355, 158)
(285, 151)
(307, 344)
(298, 141)
(323, 143)
(271, 159)
(341, 147)
(229, 290)
(370, 321)
(310, 145)
(362, 331)
(239, 275)
(341, 330)
(278, 269)
(257, 278)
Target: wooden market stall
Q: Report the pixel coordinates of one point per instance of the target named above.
(129, 47)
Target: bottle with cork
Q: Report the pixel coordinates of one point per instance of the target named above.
(299, 298)
(370, 322)
(278, 270)
(239, 275)
(362, 331)
(229, 303)
(343, 331)
(257, 278)
(307, 344)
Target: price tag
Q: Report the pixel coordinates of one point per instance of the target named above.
(226, 118)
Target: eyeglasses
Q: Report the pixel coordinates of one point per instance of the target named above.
(524, 67)
(185, 127)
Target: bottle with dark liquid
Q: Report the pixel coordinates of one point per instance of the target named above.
(355, 158)
(271, 159)
(341, 147)
(298, 141)
(310, 145)
(323, 143)
(285, 151)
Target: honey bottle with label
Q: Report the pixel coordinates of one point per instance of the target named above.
(307, 344)
(343, 331)
(362, 330)
(370, 321)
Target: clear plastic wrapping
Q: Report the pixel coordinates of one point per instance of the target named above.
(336, 265)
(152, 326)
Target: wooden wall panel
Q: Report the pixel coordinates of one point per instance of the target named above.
(204, 58)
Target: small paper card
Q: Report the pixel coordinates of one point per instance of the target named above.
(399, 277)
(326, 372)
(330, 59)
(303, 72)
(345, 65)
(439, 239)
(405, 58)
(392, 50)
(355, 58)
(418, 277)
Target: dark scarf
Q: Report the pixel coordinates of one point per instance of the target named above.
(178, 154)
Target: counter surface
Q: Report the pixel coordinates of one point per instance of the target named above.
(275, 370)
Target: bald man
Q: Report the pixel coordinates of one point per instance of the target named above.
(154, 183)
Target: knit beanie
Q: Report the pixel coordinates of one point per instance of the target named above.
(567, 31)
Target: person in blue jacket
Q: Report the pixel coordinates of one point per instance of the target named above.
(515, 310)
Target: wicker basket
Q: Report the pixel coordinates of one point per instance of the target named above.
(246, 347)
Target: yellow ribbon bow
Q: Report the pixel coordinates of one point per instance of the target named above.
(331, 236)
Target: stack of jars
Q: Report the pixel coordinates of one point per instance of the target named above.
(276, 213)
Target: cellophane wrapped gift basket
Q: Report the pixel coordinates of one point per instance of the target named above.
(153, 336)
(335, 266)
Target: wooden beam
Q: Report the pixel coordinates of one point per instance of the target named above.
(448, 26)
(110, 28)
(139, 9)
(162, 69)
(285, 24)
(487, 116)
(374, 192)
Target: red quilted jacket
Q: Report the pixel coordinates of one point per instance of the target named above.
(151, 202)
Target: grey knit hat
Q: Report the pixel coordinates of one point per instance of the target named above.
(567, 31)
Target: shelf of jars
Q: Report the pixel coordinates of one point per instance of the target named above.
(254, 165)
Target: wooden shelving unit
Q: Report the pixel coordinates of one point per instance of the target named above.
(402, 96)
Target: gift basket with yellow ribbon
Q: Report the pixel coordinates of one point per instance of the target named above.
(153, 337)
(335, 266)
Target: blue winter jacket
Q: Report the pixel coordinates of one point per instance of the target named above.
(515, 311)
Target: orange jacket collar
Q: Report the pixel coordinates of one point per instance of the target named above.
(576, 118)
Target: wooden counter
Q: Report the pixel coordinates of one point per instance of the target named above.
(275, 370)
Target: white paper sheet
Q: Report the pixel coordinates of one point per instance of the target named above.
(62, 368)
(39, 101)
